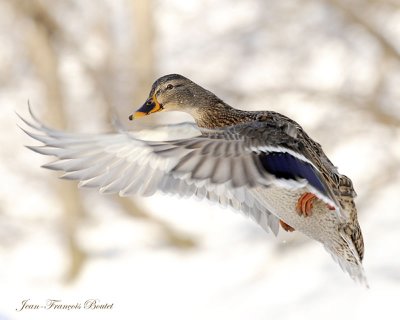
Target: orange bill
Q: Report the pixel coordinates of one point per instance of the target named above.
(150, 106)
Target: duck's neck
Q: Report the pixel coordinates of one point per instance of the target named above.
(222, 115)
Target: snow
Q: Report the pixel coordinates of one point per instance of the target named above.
(247, 54)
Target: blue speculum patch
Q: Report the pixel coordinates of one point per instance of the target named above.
(285, 166)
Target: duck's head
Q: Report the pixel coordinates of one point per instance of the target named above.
(174, 92)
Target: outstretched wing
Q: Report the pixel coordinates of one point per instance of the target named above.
(122, 163)
(221, 165)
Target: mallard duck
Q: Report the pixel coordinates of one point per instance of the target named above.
(258, 162)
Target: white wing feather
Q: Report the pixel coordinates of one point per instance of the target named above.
(123, 163)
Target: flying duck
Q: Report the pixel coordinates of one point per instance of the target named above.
(260, 163)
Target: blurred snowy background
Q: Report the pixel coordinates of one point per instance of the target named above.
(332, 65)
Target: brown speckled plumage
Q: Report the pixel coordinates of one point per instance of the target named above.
(258, 162)
(210, 112)
(214, 114)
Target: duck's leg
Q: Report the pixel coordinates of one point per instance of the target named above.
(306, 202)
(285, 226)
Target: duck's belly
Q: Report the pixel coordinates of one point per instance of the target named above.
(322, 225)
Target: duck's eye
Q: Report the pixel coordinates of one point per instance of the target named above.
(169, 87)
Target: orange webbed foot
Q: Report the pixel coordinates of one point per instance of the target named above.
(285, 226)
(305, 204)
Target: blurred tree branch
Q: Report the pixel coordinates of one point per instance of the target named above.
(144, 63)
(370, 104)
(40, 42)
(143, 69)
(355, 17)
